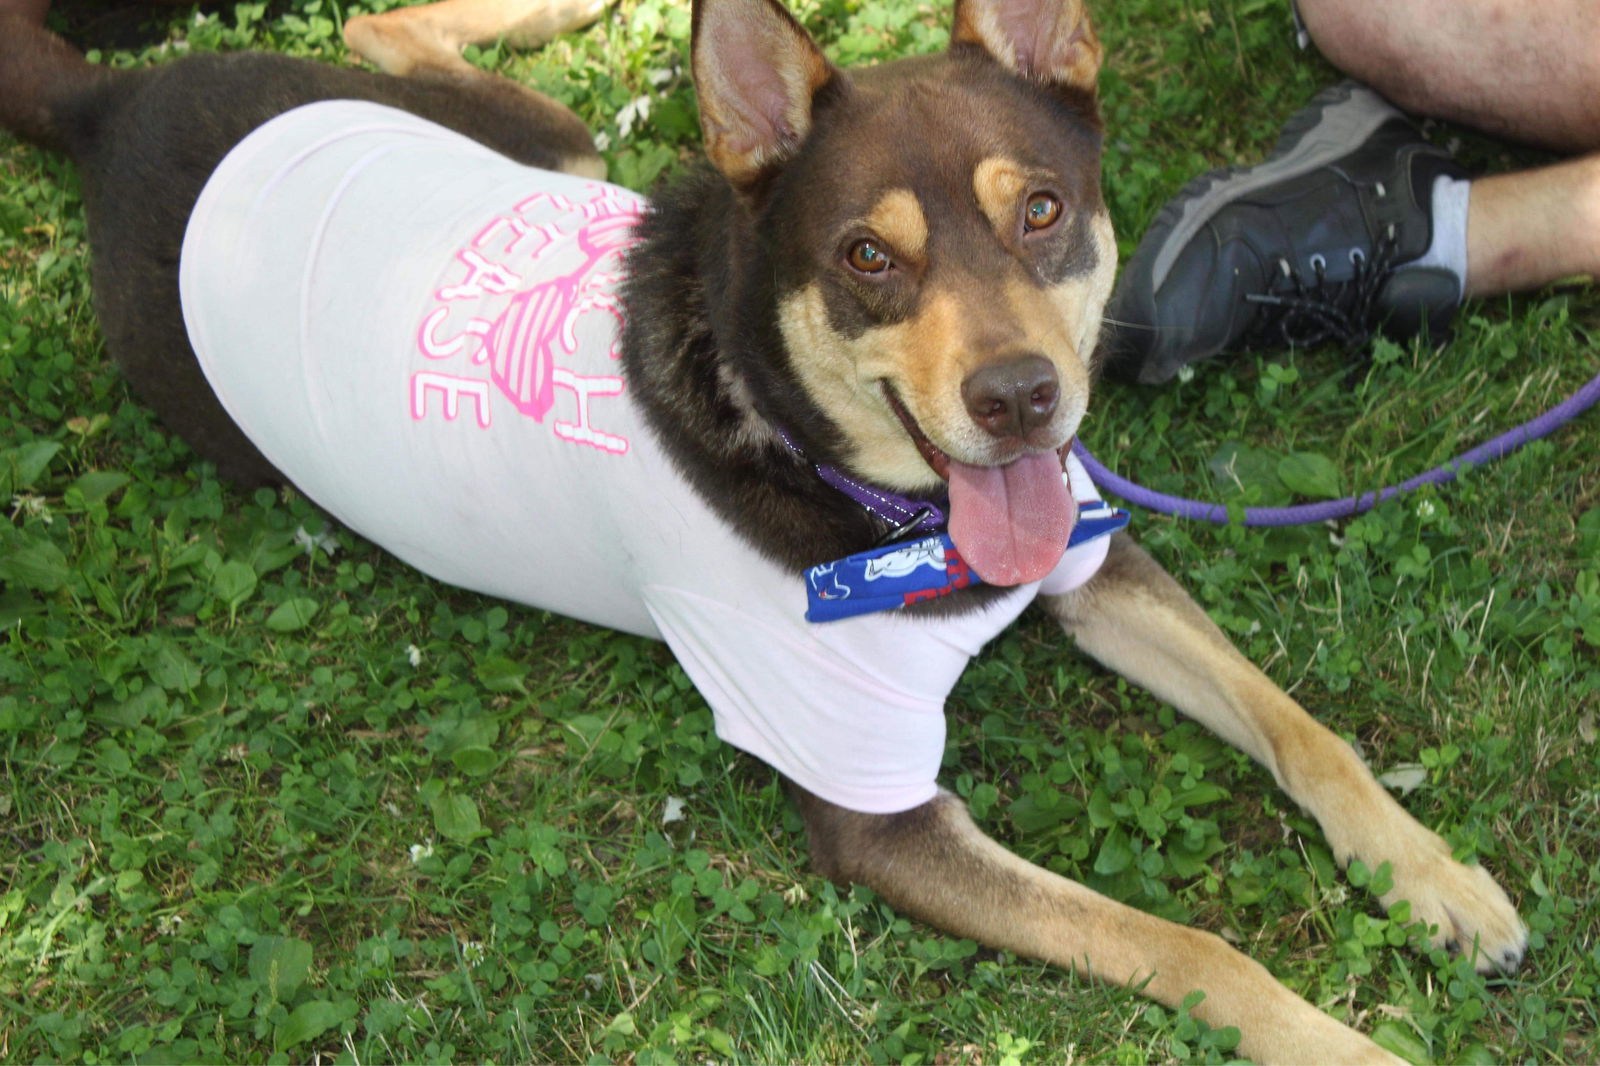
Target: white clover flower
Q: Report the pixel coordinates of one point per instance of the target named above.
(413, 655)
(634, 111)
(421, 851)
(473, 952)
(312, 541)
(34, 506)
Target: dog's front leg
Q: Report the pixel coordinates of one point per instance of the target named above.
(932, 862)
(1135, 619)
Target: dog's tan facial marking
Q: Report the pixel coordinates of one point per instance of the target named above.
(1023, 207)
(1080, 296)
(979, 299)
(999, 184)
(963, 329)
(898, 218)
(957, 328)
(838, 373)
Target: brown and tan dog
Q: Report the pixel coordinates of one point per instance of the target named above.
(902, 307)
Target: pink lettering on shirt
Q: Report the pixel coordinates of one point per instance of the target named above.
(580, 432)
(435, 347)
(535, 279)
(452, 388)
(483, 276)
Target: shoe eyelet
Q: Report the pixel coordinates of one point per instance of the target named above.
(1285, 268)
(1381, 191)
(1357, 256)
(1319, 262)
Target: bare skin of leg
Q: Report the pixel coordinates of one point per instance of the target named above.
(433, 35)
(1532, 227)
(1526, 72)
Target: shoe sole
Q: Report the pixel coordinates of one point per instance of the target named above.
(1336, 121)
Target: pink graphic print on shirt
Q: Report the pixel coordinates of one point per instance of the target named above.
(523, 302)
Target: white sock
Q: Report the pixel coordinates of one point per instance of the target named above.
(1449, 248)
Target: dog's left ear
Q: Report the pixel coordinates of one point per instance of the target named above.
(755, 72)
(1047, 41)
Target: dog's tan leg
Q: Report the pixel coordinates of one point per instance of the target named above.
(426, 41)
(432, 35)
(934, 863)
(1135, 619)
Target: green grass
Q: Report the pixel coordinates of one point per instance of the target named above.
(272, 796)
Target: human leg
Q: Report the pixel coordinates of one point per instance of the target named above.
(1526, 72)
(1201, 280)
(1532, 227)
(1288, 252)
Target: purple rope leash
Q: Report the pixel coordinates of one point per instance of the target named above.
(1306, 513)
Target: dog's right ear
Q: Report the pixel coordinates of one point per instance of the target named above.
(755, 72)
(1046, 41)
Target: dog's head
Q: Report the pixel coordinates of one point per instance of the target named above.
(938, 246)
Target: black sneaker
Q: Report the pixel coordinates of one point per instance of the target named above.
(1307, 247)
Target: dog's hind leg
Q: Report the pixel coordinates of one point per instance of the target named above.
(400, 40)
(425, 42)
(932, 862)
(1135, 619)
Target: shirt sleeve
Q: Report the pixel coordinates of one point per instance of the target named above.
(851, 710)
(853, 713)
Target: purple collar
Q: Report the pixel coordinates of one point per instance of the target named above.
(904, 514)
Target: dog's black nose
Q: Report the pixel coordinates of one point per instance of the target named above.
(1009, 399)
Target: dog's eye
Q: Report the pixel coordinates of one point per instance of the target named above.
(1041, 211)
(868, 257)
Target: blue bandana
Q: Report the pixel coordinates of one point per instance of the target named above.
(890, 577)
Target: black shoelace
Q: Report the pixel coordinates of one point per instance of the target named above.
(1301, 313)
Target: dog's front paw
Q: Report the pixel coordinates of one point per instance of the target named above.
(1465, 908)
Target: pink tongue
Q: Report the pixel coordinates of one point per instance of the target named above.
(1010, 523)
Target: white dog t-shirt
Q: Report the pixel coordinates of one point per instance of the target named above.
(422, 336)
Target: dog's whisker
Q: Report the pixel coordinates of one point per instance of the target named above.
(1109, 321)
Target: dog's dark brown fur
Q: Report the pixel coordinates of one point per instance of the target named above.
(146, 141)
(743, 318)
